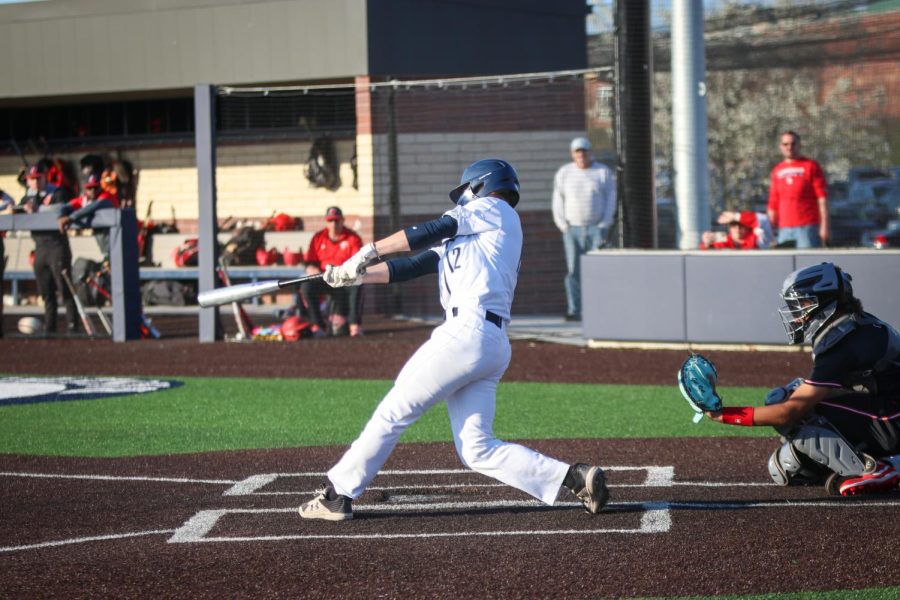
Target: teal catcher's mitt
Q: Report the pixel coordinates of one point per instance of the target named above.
(697, 382)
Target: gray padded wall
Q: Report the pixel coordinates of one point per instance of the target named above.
(633, 296)
(735, 297)
(715, 297)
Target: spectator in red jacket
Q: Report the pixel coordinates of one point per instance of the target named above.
(798, 204)
(747, 230)
(332, 246)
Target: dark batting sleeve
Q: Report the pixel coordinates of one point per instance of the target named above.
(410, 267)
(430, 233)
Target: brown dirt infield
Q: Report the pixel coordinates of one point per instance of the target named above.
(704, 520)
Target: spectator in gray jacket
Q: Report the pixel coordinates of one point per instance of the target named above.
(584, 205)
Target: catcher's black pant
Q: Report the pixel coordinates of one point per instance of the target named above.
(50, 258)
(871, 423)
(345, 301)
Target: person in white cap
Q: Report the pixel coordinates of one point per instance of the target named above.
(584, 205)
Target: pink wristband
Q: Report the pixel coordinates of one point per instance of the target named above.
(738, 415)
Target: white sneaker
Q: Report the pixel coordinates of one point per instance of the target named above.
(321, 507)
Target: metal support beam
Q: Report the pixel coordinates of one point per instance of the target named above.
(634, 131)
(205, 127)
(690, 153)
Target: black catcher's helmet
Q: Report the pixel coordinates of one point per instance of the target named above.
(811, 298)
(485, 176)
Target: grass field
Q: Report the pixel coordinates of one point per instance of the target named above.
(229, 414)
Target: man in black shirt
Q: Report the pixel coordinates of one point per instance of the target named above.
(52, 254)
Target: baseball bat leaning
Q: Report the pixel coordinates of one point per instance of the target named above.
(85, 319)
(245, 291)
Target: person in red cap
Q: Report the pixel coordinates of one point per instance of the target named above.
(80, 209)
(52, 254)
(332, 246)
(747, 230)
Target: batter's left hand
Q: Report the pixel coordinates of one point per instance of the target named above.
(339, 276)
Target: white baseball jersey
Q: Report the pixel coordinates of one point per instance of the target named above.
(479, 267)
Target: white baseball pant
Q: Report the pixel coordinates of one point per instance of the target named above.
(461, 363)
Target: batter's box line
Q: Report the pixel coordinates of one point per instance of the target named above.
(655, 519)
(657, 476)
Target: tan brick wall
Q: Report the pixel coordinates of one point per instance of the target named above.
(253, 181)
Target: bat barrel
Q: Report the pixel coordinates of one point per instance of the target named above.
(237, 293)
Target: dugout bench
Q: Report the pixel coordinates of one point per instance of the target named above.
(19, 245)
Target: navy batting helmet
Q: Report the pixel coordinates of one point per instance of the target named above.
(485, 176)
(811, 298)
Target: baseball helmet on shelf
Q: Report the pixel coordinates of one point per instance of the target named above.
(284, 222)
(811, 298)
(486, 176)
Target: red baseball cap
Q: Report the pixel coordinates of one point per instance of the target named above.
(34, 172)
(92, 181)
(333, 214)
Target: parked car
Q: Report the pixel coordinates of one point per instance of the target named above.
(861, 174)
(882, 238)
(849, 222)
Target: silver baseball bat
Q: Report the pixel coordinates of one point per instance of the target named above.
(244, 291)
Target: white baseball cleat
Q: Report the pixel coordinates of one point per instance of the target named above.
(320, 507)
(593, 493)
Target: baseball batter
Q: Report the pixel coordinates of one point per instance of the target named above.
(475, 249)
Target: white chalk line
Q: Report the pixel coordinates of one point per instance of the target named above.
(119, 478)
(250, 486)
(82, 540)
(656, 476)
(656, 519)
(438, 486)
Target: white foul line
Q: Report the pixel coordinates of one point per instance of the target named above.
(96, 538)
(117, 478)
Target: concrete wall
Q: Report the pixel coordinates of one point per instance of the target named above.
(73, 47)
(716, 297)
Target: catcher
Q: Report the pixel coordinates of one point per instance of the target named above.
(841, 424)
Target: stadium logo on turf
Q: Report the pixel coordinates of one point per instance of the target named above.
(30, 390)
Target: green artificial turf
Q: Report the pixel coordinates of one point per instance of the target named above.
(224, 414)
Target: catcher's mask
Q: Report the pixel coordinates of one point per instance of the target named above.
(484, 177)
(811, 297)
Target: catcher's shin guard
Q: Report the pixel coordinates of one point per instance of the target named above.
(813, 450)
(789, 467)
(827, 447)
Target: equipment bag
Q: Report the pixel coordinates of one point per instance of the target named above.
(241, 248)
